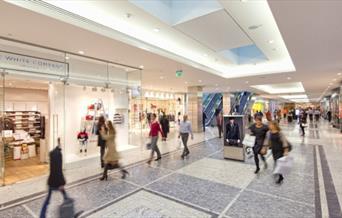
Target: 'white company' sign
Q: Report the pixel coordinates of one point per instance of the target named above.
(25, 63)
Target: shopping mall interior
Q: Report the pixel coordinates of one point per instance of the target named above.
(247, 96)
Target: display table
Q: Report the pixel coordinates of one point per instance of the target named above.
(236, 150)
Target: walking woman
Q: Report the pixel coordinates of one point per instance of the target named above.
(154, 134)
(259, 130)
(185, 130)
(56, 179)
(111, 156)
(278, 143)
(100, 142)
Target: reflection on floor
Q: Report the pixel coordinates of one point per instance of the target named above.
(206, 185)
(18, 170)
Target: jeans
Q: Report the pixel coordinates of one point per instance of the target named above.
(47, 200)
(154, 147)
(185, 138)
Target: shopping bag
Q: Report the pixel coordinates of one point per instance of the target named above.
(283, 165)
(248, 141)
(249, 152)
(149, 146)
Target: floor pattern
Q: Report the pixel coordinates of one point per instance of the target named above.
(201, 185)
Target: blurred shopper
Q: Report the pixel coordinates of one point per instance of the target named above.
(185, 130)
(219, 123)
(56, 181)
(111, 156)
(100, 142)
(317, 114)
(268, 115)
(165, 124)
(204, 118)
(278, 143)
(154, 134)
(329, 116)
(259, 130)
(302, 122)
(310, 113)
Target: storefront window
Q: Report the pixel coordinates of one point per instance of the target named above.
(51, 95)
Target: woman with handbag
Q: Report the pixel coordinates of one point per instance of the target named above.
(279, 145)
(111, 156)
(259, 130)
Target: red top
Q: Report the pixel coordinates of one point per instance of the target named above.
(155, 128)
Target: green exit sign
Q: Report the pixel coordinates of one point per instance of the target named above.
(179, 73)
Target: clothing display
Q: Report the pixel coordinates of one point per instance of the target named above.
(232, 134)
(118, 118)
(83, 140)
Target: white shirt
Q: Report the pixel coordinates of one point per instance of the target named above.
(185, 127)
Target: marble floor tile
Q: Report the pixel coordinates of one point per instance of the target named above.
(143, 174)
(86, 196)
(297, 187)
(251, 204)
(15, 212)
(147, 205)
(209, 195)
(227, 172)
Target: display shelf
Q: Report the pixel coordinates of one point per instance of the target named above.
(26, 120)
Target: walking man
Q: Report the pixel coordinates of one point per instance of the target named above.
(185, 130)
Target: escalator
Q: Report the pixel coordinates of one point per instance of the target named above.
(241, 102)
(211, 102)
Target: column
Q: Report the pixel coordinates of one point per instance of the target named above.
(194, 107)
(226, 103)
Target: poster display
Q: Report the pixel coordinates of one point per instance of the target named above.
(233, 134)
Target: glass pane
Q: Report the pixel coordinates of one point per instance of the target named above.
(2, 141)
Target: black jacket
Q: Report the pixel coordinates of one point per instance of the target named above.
(165, 125)
(232, 132)
(56, 177)
(100, 141)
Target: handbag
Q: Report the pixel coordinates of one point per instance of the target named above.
(149, 146)
(283, 165)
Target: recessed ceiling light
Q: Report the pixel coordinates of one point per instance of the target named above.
(334, 79)
(199, 81)
(330, 83)
(205, 55)
(161, 77)
(271, 41)
(247, 82)
(339, 74)
(288, 78)
(81, 52)
(141, 66)
(186, 82)
(156, 30)
(67, 57)
(216, 84)
(10, 84)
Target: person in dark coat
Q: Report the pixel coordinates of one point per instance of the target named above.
(204, 118)
(329, 116)
(165, 124)
(56, 180)
(100, 141)
(258, 130)
(232, 132)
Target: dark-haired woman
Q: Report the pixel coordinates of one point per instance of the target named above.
(100, 142)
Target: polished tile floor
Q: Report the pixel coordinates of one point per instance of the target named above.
(206, 185)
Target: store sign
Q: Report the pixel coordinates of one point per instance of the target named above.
(31, 64)
(179, 73)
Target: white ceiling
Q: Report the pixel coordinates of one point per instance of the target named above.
(216, 30)
(310, 30)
